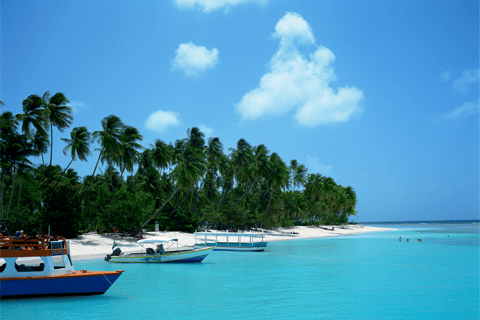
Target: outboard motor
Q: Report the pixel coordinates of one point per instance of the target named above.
(117, 252)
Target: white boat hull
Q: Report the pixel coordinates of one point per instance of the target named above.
(196, 255)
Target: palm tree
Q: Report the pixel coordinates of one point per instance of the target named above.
(278, 176)
(17, 153)
(78, 146)
(110, 141)
(58, 114)
(328, 188)
(196, 142)
(213, 151)
(189, 169)
(130, 154)
(260, 165)
(72, 176)
(8, 133)
(196, 138)
(34, 115)
(40, 145)
(298, 175)
(241, 159)
(161, 157)
(149, 180)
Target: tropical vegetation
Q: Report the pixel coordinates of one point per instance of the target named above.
(185, 185)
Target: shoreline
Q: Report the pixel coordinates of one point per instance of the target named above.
(92, 246)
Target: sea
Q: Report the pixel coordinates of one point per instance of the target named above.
(366, 276)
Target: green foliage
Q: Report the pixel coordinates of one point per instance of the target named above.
(180, 220)
(126, 210)
(63, 215)
(185, 185)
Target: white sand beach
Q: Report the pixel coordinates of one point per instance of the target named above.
(95, 246)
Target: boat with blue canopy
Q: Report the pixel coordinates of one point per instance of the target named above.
(231, 241)
(157, 250)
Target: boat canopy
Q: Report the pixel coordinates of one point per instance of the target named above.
(155, 240)
(231, 234)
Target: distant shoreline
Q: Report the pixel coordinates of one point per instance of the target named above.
(422, 222)
(95, 246)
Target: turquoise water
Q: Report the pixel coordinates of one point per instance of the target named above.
(370, 276)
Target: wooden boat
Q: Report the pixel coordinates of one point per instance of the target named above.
(230, 241)
(161, 252)
(36, 266)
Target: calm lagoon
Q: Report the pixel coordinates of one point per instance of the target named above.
(369, 276)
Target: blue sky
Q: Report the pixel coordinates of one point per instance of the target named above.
(381, 95)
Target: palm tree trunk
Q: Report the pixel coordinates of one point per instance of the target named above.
(51, 152)
(161, 188)
(156, 212)
(184, 202)
(11, 195)
(51, 193)
(190, 205)
(88, 186)
(121, 177)
(178, 206)
(51, 143)
(213, 184)
(260, 200)
(225, 192)
(271, 194)
(196, 198)
(1, 202)
(19, 193)
(90, 224)
(247, 188)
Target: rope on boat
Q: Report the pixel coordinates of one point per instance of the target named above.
(118, 289)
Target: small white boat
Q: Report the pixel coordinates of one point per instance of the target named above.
(160, 251)
(230, 241)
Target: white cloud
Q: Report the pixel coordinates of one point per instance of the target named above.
(314, 166)
(211, 5)
(161, 120)
(300, 83)
(207, 130)
(468, 77)
(445, 76)
(194, 60)
(77, 106)
(465, 110)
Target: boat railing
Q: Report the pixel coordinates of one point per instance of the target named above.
(15, 244)
(30, 246)
(214, 238)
